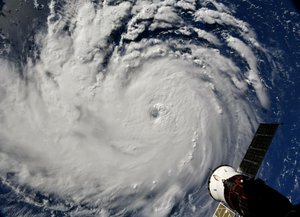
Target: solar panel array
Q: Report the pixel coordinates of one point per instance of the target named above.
(223, 211)
(257, 149)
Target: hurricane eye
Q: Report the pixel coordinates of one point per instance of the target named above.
(154, 112)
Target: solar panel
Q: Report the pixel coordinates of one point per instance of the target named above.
(258, 148)
(223, 211)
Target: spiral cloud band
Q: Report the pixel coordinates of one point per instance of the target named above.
(128, 104)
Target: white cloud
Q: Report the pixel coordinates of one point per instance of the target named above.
(86, 130)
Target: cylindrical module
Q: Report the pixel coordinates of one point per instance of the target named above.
(247, 196)
(216, 182)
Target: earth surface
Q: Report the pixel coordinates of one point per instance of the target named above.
(122, 108)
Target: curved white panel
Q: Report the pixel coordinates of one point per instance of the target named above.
(216, 186)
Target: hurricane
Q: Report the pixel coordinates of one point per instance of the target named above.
(124, 107)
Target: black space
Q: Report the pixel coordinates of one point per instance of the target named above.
(297, 4)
